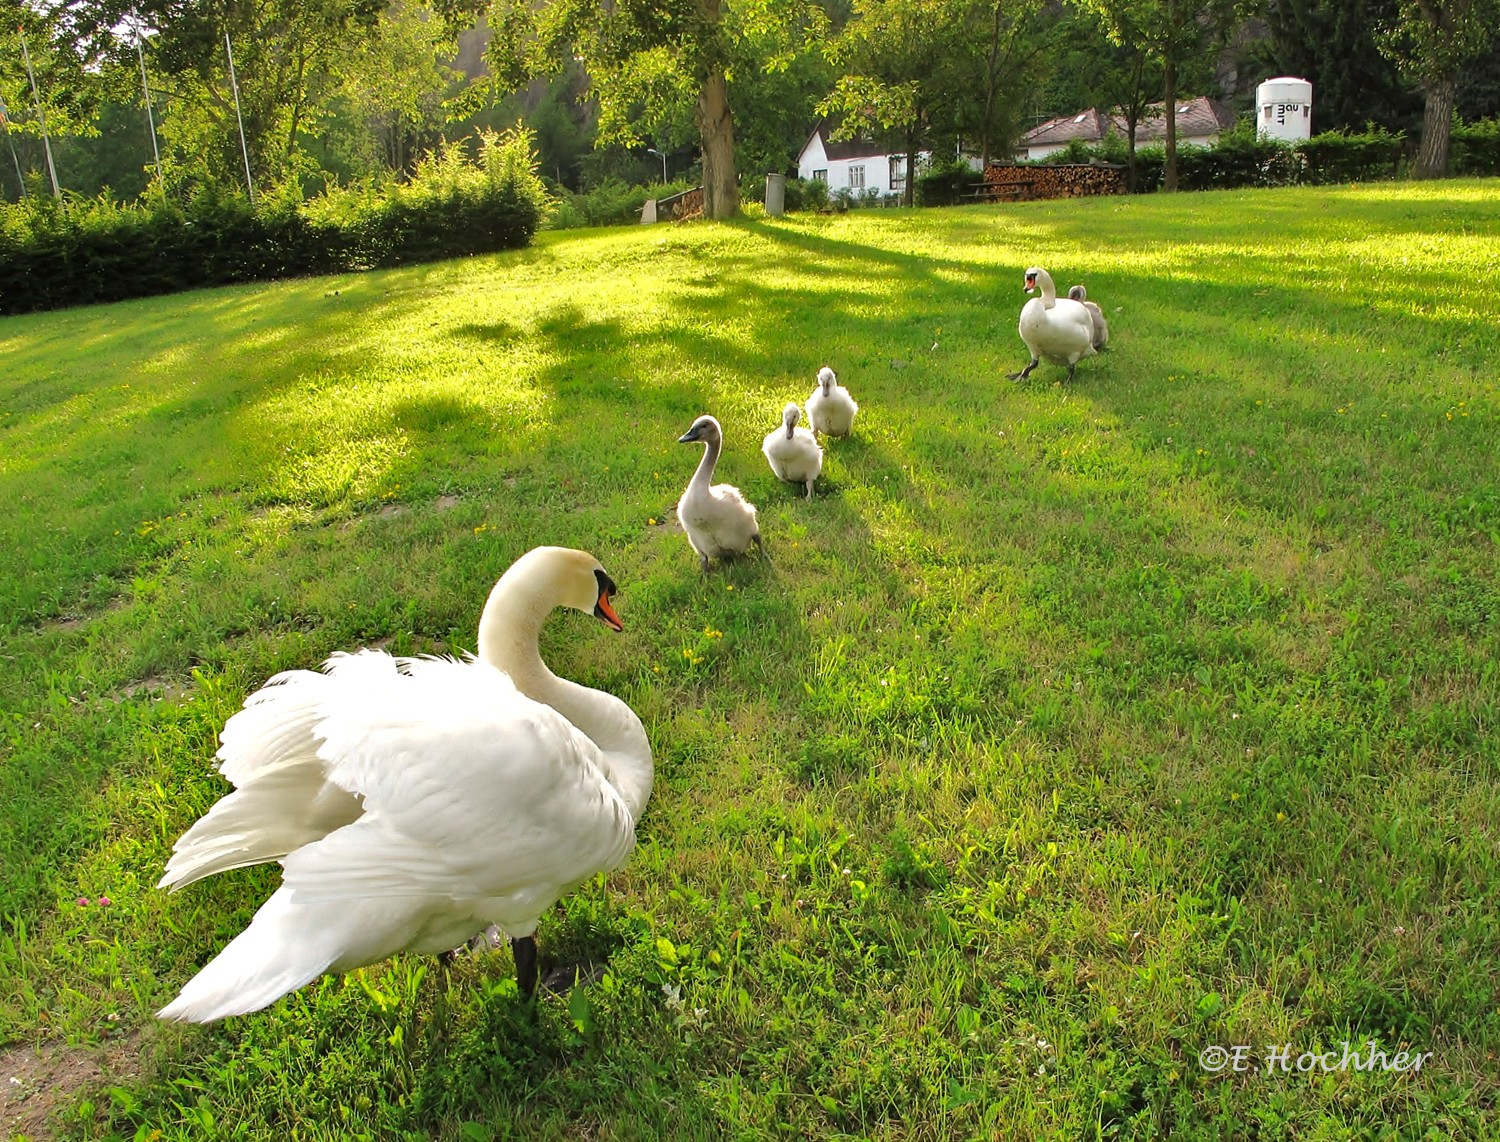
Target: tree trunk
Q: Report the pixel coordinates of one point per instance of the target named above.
(1169, 91)
(721, 192)
(991, 69)
(1130, 125)
(1437, 125)
(909, 195)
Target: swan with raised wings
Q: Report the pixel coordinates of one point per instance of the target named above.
(414, 802)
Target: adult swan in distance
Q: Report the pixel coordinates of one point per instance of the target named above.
(1055, 329)
(414, 802)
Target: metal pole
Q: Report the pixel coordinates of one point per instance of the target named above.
(244, 150)
(663, 156)
(15, 158)
(40, 114)
(150, 117)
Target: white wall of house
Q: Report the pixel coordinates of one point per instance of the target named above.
(1039, 151)
(885, 174)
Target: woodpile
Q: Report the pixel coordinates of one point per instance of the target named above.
(1065, 180)
(687, 205)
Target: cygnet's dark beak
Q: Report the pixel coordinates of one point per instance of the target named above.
(688, 437)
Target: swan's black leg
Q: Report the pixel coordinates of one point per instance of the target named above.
(524, 951)
(1024, 373)
(1070, 370)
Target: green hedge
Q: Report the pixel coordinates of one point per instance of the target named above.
(1239, 158)
(82, 252)
(1476, 148)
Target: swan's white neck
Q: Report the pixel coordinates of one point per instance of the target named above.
(508, 631)
(1049, 291)
(703, 477)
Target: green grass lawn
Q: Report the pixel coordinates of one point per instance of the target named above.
(1069, 731)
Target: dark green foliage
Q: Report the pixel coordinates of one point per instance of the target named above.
(91, 251)
(1338, 157)
(1476, 148)
(806, 194)
(944, 183)
(1332, 43)
(610, 203)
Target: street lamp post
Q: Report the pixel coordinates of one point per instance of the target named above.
(659, 154)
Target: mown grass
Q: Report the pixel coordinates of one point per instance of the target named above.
(1069, 730)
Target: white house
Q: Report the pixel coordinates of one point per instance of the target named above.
(855, 165)
(1199, 122)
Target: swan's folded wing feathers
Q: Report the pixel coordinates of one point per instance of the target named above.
(496, 790)
(728, 492)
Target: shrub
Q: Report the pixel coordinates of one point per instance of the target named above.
(944, 184)
(94, 250)
(1476, 147)
(1336, 156)
(806, 194)
(611, 203)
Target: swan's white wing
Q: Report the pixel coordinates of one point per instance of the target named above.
(470, 790)
(269, 752)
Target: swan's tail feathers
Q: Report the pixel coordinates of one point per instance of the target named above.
(273, 957)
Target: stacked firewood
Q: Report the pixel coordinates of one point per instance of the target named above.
(689, 205)
(1065, 180)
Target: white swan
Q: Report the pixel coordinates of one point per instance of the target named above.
(1096, 315)
(793, 452)
(830, 408)
(718, 520)
(413, 802)
(1058, 330)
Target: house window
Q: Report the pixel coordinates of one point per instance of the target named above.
(898, 172)
(857, 178)
(820, 176)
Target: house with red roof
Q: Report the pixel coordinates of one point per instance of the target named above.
(1199, 122)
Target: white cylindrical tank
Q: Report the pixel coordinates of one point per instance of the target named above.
(1283, 109)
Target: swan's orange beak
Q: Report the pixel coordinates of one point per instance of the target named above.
(1030, 282)
(602, 610)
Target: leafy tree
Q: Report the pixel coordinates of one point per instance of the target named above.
(1173, 33)
(69, 92)
(394, 81)
(1433, 42)
(287, 54)
(660, 68)
(915, 71)
(1089, 70)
